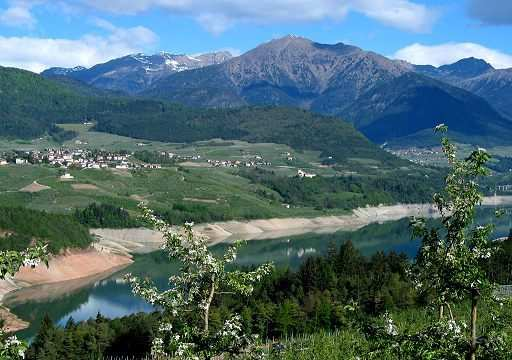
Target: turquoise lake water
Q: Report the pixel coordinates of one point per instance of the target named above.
(112, 297)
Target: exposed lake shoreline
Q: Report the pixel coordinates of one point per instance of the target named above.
(70, 265)
(141, 240)
(114, 247)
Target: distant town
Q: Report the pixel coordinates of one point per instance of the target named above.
(67, 158)
(421, 156)
(75, 158)
(256, 161)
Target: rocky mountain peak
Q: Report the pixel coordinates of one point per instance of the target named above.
(468, 67)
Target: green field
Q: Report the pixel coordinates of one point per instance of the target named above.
(191, 190)
(27, 145)
(215, 190)
(216, 149)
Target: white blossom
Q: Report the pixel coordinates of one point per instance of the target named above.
(192, 290)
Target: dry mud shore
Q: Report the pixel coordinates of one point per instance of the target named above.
(129, 241)
(76, 266)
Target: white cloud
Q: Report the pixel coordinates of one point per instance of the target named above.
(137, 37)
(37, 54)
(18, 14)
(451, 52)
(215, 23)
(217, 16)
(401, 14)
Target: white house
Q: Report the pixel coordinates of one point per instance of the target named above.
(67, 176)
(303, 174)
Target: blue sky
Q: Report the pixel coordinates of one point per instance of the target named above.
(35, 34)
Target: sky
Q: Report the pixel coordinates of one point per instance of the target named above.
(38, 34)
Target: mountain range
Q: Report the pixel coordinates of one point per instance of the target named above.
(390, 101)
(478, 77)
(134, 73)
(290, 71)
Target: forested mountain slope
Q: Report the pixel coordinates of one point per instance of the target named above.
(411, 104)
(30, 106)
(478, 77)
(300, 129)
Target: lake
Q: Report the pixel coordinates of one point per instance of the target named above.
(112, 297)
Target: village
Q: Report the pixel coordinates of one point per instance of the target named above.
(421, 156)
(256, 161)
(67, 158)
(75, 158)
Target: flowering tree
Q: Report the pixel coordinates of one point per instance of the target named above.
(450, 260)
(10, 263)
(186, 331)
(449, 267)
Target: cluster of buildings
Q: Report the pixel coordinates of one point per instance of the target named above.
(254, 162)
(76, 158)
(504, 188)
(174, 156)
(288, 156)
(422, 156)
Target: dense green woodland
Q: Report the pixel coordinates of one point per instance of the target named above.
(297, 128)
(21, 227)
(154, 157)
(105, 216)
(306, 301)
(30, 105)
(128, 336)
(349, 192)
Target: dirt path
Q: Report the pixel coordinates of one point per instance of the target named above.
(34, 187)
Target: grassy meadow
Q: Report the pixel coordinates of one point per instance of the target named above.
(192, 186)
(215, 190)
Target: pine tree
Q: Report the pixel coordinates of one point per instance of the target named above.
(332, 252)
(70, 324)
(349, 259)
(44, 345)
